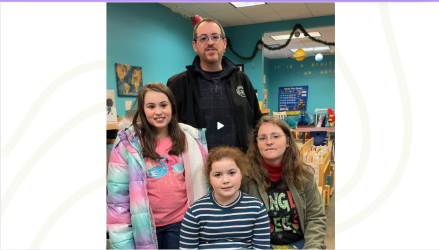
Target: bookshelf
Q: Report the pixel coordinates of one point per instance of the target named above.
(113, 126)
(325, 167)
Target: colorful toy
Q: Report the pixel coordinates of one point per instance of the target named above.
(331, 117)
(290, 121)
(302, 107)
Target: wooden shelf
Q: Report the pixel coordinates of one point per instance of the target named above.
(332, 179)
(113, 126)
(324, 168)
(265, 112)
(304, 147)
(311, 128)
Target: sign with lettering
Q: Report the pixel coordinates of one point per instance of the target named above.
(290, 97)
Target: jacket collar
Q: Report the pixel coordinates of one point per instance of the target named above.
(130, 140)
(228, 66)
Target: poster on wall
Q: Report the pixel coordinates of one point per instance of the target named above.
(111, 107)
(265, 100)
(291, 99)
(129, 79)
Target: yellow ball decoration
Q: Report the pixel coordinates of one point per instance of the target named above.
(299, 55)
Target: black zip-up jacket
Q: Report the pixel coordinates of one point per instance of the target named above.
(246, 110)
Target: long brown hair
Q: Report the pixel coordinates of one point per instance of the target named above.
(294, 169)
(225, 152)
(147, 133)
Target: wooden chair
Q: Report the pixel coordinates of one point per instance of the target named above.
(280, 115)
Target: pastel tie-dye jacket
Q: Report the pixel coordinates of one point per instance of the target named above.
(130, 221)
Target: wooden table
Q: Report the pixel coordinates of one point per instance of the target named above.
(112, 126)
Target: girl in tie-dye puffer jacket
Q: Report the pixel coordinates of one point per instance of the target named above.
(130, 219)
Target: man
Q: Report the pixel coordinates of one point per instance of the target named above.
(213, 93)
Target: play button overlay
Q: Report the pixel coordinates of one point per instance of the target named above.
(219, 125)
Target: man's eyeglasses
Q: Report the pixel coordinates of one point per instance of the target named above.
(204, 38)
(273, 137)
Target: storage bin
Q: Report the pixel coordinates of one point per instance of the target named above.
(319, 137)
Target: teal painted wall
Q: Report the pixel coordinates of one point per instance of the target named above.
(148, 35)
(267, 77)
(153, 37)
(245, 37)
(289, 72)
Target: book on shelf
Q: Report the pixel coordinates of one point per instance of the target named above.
(327, 194)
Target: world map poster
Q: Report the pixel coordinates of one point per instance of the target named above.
(129, 79)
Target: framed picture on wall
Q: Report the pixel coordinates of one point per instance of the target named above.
(240, 66)
(111, 107)
(129, 79)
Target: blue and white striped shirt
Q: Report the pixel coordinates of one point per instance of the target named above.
(242, 224)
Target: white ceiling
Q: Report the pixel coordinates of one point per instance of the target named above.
(229, 16)
(328, 35)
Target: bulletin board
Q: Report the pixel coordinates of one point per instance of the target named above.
(289, 97)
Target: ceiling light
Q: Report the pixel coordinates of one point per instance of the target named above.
(313, 49)
(304, 49)
(285, 37)
(322, 48)
(244, 4)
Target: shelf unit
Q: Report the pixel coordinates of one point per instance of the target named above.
(113, 126)
(265, 112)
(325, 167)
(311, 128)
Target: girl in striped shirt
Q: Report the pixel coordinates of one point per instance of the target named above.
(226, 218)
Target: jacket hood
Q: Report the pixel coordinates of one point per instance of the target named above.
(124, 124)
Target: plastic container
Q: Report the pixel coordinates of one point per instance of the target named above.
(319, 137)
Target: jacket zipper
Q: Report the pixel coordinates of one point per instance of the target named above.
(197, 101)
(234, 112)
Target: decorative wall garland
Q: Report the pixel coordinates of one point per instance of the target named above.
(176, 9)
(260, 43)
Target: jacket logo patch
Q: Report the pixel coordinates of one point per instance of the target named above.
(240, 91)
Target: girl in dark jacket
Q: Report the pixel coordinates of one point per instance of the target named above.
(286, 185)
